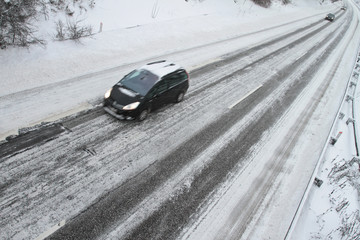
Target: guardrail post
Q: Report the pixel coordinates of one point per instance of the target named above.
(333, 140)
(349, 98)
(350, 120)
(341, 115)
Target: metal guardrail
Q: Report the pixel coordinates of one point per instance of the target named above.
(356, 103)
(356, 118)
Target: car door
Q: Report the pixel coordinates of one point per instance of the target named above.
(158, 94)
(176, 84)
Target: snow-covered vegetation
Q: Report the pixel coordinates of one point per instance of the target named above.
(20, 18)
(22, 21)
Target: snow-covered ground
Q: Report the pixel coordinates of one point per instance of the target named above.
(43, 84)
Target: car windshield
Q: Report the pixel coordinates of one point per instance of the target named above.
(140, 81)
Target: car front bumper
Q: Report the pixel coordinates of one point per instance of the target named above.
(112, 108)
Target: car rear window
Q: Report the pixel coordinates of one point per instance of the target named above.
(140, 81)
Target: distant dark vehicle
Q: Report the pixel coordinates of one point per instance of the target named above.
(343, 8)
(145, 89)
(330, 17)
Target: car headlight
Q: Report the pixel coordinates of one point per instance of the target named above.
(131, 106)
(108, 93)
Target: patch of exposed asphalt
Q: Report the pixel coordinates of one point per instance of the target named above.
(29, 140)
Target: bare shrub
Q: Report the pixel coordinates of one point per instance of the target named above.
(72, 30)
(263, 3)
(76, 31)
(91, 3)
(155, 9)
(60, 30)
(59, 4)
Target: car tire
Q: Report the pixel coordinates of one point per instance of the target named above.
(180, 97)
(143, 114)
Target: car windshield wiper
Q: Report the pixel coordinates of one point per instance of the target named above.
(129, 89)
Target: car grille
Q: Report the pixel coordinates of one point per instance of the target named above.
(112, 109)
(117, 106)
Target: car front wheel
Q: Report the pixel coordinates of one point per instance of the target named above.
(143, 114)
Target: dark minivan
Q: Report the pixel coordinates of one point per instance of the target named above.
(146, 88)
(330, 17)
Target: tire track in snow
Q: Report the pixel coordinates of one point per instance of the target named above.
(171, 216)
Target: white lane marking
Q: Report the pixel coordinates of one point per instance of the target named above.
(51, 230)
(247, 95)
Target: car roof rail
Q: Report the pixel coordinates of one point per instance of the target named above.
(160, 61)
(170, 65)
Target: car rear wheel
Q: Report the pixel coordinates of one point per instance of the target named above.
(143, 114)
(180, 97)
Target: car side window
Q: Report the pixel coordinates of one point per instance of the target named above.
(163, 86)
(152, 92)
(158, 89)
(175, 79)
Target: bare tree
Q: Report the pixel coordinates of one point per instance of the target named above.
(15, 26)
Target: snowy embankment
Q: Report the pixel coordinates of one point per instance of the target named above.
(330, 209)
(62, 79)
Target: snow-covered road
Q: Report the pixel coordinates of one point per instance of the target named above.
(53, 92)
(230, 162)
